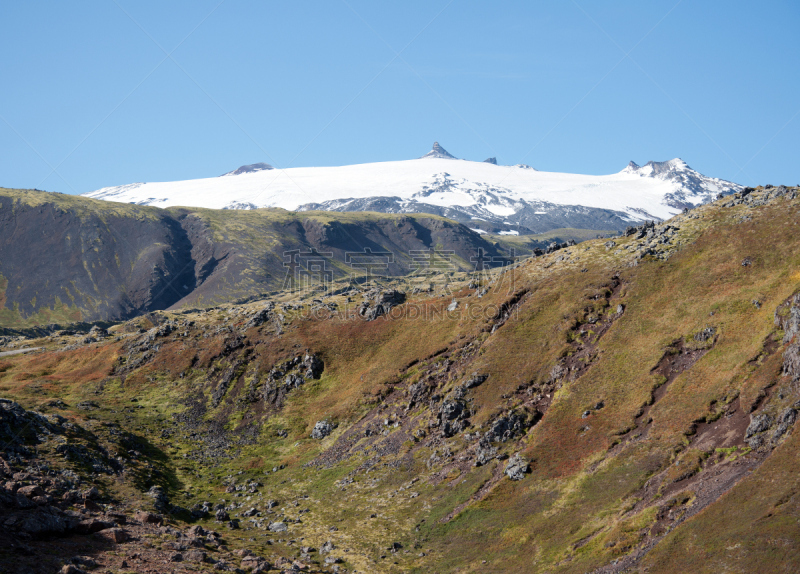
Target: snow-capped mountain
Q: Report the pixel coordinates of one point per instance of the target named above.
(484, 195)
(689, 182)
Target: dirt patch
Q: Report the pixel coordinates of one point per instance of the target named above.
(725, 432)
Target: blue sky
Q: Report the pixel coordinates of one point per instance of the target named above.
(112, 92)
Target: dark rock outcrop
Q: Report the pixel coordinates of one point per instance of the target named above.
(787, 317)
(381, 304)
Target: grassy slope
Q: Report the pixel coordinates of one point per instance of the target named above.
(664, 302)
(78, 204)
(572, 513)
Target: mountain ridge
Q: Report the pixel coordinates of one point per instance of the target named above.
(482, 195)
(104, 261)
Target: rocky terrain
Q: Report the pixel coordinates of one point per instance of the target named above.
(624, 404)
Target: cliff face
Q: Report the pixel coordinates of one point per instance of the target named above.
(66, 259)
(91, 265)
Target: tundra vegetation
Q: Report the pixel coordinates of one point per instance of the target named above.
(618, 405)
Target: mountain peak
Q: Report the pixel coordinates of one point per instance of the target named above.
(666, 166)
(251, 168)
(438, 152)
(492, 160)
(654, 168)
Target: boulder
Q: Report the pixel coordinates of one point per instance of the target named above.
(278, 527)
(261, 316)
(160, 499)
(148, 517)
(505, 428)
(475, 380)
(381, 304)
(313, 366)
(117, 535)
(84, 561)
(705, 334)
(44, 522)
(254, 564)
(294, 381)
(785, 422)
(516, 467)
(321, 430)
(31, 491)
(791, 361)
(484, 453)
(451, 410)
(758, 423)
(452, 428)
(194, 555)
(789, 320)
(98, 332)
(24, 502)
(91, 494)
(92, 525)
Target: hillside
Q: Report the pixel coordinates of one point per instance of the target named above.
(626, 404)
(486, 196)
(67, 259)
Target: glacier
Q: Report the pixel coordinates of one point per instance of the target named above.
(492, 197)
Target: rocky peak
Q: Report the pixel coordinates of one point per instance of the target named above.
(659, 167)
(438, 152)
(692, 187)
(656, 168)
(492, 160)
(251, 168)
